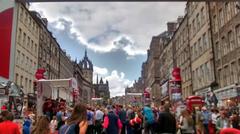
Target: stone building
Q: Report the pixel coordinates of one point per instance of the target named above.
(86, 75)
(152, 65)
(102, 90)
(66, 65)
(225, 20)
(26, 49)
(202, 59)
(181, 53)
(49, 49)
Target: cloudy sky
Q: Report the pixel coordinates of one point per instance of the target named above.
(115, 34)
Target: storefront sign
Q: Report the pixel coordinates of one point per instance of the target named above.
(176, 91)
(164, 91)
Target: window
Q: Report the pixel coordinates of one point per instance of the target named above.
(194, 27)
(21, 13)
(28, 42)
(24, 38)
(218, 52)
(234, 73)
(31, 64)
(30, 22)
(26, 83)
(21, 81)
(18, 56)
(19, 35)
(198, 22)
(202, 16)
(206, 77)
(23, 58)
(231, 40)
(200, 46)
(16, 78)
(224, 46)
(215, 23)
(205, 42)
(195, 51)
(220, 77)
(32, 46)
(221, 18)
(26, 17)
(27, 63)
(36, 48)
(238, 34)
(30, 85)
(228, 11)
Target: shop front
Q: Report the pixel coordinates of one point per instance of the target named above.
(165, 93)
(228, 96)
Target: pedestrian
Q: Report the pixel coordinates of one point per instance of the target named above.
(186, 123)
(206, 118)
(148, 119)
(27, 125)
(8, 126)
(223, 121)
(122, 116)
(77, 122)
(60, 117)
(167, 122)
(98, 120)
(53, 125)
(235, 120)
(90, 120)
(42, 126)
(112, 124)
(130, 116)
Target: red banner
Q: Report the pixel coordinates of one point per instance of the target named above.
(5, 41)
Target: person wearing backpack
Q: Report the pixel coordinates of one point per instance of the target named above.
(148, 119)
(77, 122)
(112, 124)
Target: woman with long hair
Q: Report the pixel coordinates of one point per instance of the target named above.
(42, 126)
(186, 123)
(77, 122)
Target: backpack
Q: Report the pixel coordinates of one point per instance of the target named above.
(149, 116)
(68, 129)
(89, 116)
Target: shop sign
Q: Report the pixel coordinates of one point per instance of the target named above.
(2, 91)
(175, 89)
(164, 91)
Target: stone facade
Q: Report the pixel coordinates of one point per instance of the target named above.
(26, 52)
(66, 66)
(202, 62)
(181, 53)
(102, 90)
(225, 19)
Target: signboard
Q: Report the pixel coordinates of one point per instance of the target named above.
(176, 91)
(164, 91)
(6, 34)
(175, 85)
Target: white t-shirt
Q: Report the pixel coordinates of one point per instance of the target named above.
(99, 115)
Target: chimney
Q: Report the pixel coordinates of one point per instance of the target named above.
(180, 19)
(45, 21)
(171, 26)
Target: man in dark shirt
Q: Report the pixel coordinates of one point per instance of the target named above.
(166, 122)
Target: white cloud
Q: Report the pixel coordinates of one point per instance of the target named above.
(117, 81)
(110, 21)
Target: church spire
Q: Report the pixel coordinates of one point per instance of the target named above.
(85, 52)
(97, 79)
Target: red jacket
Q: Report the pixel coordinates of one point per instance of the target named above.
(8, 127)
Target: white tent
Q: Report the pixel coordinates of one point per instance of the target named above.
(54, 88)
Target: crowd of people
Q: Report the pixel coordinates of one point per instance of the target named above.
(118, 119)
